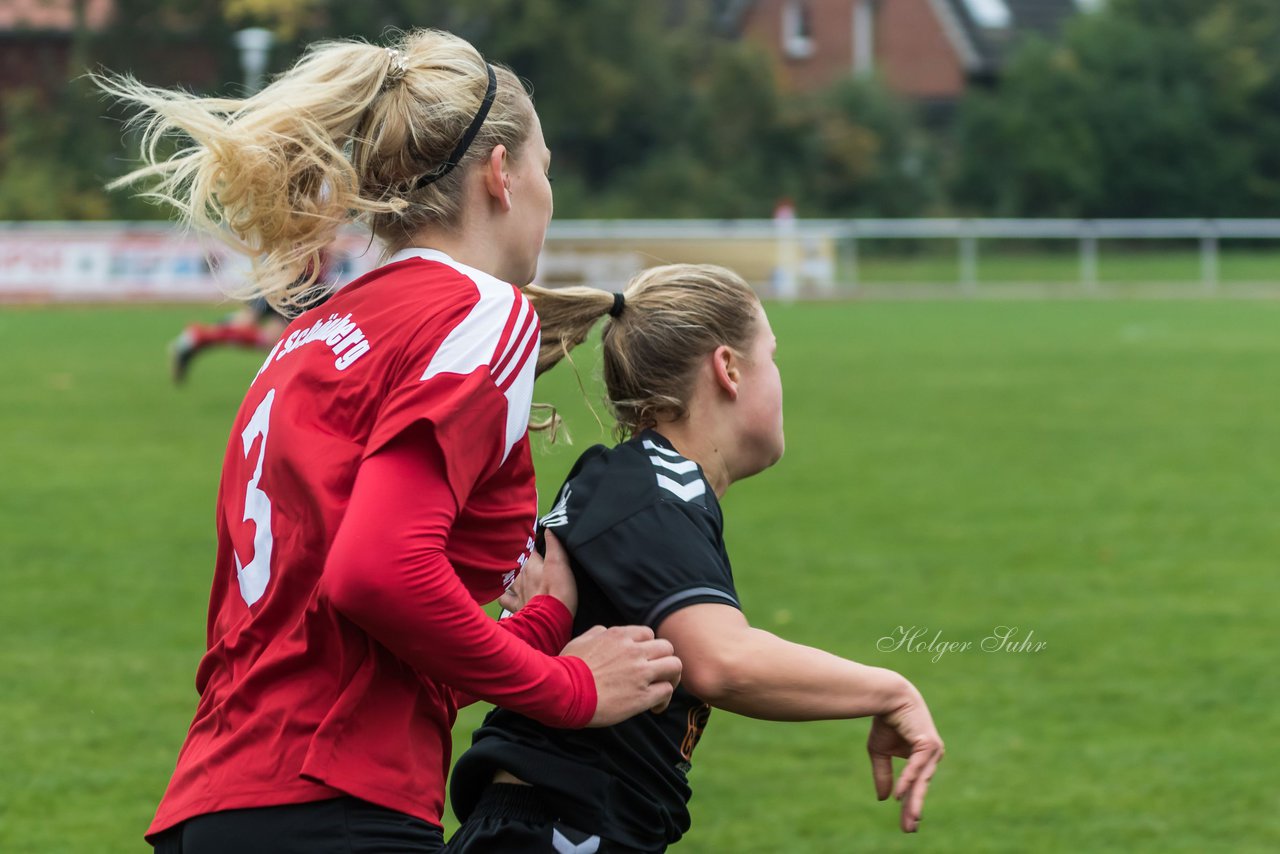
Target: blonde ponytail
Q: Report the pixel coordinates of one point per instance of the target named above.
(345, 134)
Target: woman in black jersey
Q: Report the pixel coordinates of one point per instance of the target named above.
(690, 376)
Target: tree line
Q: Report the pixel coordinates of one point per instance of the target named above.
(1146, 108)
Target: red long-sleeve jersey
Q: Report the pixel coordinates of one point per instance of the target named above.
(404, 399)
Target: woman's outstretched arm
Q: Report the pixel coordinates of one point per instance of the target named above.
(733, 666)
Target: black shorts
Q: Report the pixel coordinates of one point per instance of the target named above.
(337, 826)
(513, 819)
(262, 310)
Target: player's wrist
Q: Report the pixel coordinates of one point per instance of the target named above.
(584, 696)
(554, 607)
(897, 693)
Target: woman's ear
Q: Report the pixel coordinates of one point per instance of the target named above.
(497, 180)
(724, 367)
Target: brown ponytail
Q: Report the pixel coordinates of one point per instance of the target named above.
(671, 317)
(567, 316)
(674, 316)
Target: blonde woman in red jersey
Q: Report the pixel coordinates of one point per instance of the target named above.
(378, 483)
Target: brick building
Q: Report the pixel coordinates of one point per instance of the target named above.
(39, 40)
(929, 50)
(36, 39)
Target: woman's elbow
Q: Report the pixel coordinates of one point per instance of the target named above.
(349, 587)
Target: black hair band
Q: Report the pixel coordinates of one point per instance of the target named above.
(619, 303)
(460, 149)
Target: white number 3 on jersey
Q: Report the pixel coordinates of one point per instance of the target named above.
(254, 575)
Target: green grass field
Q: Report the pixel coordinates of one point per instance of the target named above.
(1101, 474)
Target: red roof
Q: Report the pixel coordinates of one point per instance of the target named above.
(57, 15)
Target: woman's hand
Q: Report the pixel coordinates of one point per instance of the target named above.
(549, 576)
(908, 732)
(633, 671)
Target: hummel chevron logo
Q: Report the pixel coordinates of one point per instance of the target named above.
(683, 467)
(683, 491)
(563, 846)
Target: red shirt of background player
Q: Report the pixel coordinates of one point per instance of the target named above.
(297, 703)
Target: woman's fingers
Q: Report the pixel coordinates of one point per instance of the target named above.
(554, 551)
(882, 773)
(913, 784)
(908, 733)
(633, 670)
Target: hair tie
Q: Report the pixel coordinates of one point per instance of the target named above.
(463, 144)
(619, 303)
(399, 67)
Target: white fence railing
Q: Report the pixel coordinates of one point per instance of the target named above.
(827, 252)
(786, 258)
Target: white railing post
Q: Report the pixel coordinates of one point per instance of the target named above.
(1209, 256)
(968, 259)
(1089, 257)
(786, 278)
(853, 262)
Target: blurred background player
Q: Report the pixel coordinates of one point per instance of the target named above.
(256, 325)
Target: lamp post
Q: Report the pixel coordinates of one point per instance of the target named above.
(254, 45)
(864, 38)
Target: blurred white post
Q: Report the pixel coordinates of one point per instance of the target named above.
(852, 270)
(1209, 257)
(864, 38)
(1089, 257)
(254, 45)
(785, 271)
(968, 259)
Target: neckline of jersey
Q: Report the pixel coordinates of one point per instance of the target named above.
(423, 253)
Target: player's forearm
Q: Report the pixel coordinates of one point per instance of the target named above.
(431, 623)
(763, 676)
(388, 573)
(544, 623)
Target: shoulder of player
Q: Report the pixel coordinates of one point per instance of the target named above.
(609, 486)
(667, 477)
(443, 292)
(465, 317)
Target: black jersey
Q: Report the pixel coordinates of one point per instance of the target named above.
(644, 533)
